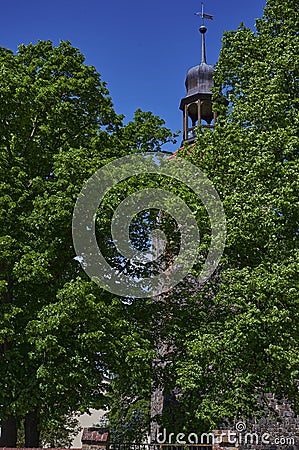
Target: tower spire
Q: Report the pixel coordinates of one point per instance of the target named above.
(197, 105)
(203, 30)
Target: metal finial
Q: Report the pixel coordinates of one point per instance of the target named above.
(203, 30)
(203, 15)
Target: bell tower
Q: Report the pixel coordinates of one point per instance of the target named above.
(197, 104)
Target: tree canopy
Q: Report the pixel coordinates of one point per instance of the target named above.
(232, 340)
(60, 333)
(244, 341)
(235, 339)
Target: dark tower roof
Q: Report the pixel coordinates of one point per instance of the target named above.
(199, 79)
(197, 105)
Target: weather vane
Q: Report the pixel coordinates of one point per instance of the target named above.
(203, 15)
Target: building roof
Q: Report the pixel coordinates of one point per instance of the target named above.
(95, 435)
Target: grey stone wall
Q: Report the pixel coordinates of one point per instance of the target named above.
(277, 429)
(283, 429)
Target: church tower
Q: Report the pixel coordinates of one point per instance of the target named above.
(197, 104)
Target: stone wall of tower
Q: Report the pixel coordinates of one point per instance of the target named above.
(284, 428)
(279, 431)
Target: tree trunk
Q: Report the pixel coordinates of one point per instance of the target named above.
(32, 430)
(8, 436)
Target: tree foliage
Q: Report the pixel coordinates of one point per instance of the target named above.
(245, 340)
(59, 331)
(233, 339)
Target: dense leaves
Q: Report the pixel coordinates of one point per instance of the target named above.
(229, 342)
(60, 333)
(245, 343)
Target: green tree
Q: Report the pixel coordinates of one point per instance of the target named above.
(58, 432)
(243, 341)
(52, 104)
(59, 331)
(236, 338)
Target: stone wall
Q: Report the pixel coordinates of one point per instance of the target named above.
(284, 429)
(277, 429)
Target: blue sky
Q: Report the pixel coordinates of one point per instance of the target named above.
(142, 49)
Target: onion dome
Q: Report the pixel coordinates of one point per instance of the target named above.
(197, 105)
(199, 80)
